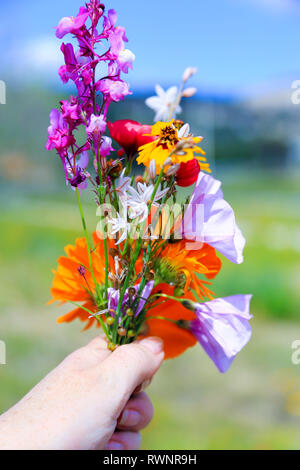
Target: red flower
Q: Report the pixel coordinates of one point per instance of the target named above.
(188, 173)
(130, 135)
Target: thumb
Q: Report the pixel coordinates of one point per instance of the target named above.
(128, 367)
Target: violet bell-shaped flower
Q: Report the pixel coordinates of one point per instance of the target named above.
(222, 328)
(210, 219)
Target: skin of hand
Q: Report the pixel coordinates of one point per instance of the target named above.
(91, 401)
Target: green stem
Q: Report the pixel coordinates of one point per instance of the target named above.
(87, 242)
(162, 318)
(134, 259)
(166, 296)
(102, 200)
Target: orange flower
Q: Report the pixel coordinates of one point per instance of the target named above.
(176, 338)
(176, 259)
(73, 280)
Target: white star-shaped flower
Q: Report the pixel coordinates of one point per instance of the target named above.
(164, 104)
(138, 200)
(123, 183)
(120, 224)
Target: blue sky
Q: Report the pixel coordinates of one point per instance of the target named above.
(239, 46)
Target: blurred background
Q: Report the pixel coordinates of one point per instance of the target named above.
(247, 54)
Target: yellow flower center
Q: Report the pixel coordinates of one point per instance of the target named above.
(168, 135)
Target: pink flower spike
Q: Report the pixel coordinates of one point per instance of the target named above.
(106, 147)
(112, 16)
(116, 90)
(125, 60)
(97, 125)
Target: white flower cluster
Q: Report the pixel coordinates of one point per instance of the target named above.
(135, 205)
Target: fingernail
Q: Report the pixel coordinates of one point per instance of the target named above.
(154, 344)
(114, 445)
(124, 417)
(130, 418)
(142, 387)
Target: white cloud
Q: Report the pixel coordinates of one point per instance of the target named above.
(42, 54)
(39, 57)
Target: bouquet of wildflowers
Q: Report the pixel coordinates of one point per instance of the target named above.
(147, 268)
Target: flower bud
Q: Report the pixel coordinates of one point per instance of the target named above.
(178, 292)
(110, 321)
(139, 179)
(189, 92)
(152, 169)
(131, 291)
(111, 346)
(81, 270)
(113, 252)
(150, 276)
(122, 332)
(131, 333)
(178, 124)
(116, 170)
(188, 73)
(173, 169)
(129, 312)
(189, 305)
(167, 162)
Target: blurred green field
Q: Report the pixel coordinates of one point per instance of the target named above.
(256, 404)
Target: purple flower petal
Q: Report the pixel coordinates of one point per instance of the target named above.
(210, 219)
(83, 160)
(222, 328)
(145, 294)
(113, 298)
(72, 25)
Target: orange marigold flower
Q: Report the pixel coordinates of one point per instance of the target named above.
(176, 261)
(73, 281)
(168, 319)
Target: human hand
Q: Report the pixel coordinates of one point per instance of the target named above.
(88, 401)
